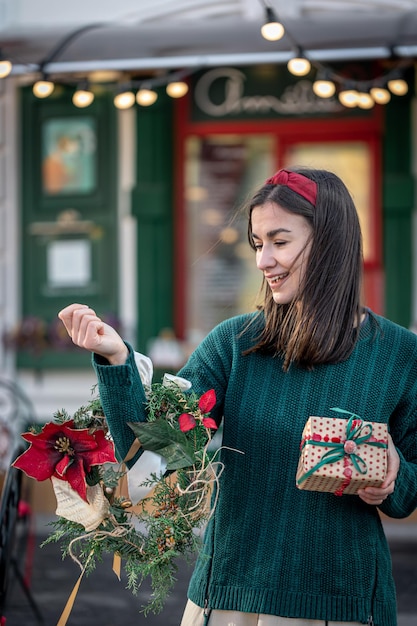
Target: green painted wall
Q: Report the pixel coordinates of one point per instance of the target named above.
(398, 204)
(152, 204)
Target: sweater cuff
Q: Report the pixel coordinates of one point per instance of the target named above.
(403, 501)
(114, 375)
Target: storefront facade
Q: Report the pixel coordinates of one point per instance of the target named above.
(140, 213)
(236, 128)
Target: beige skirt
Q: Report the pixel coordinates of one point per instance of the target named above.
(194, 616)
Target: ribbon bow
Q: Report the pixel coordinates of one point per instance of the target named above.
(357, 433)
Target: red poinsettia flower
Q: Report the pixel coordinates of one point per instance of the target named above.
(209, 422)
(207, 401)
(65, 452)
(187, 421)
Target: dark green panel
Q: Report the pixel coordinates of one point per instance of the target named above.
(152, 204)
(69, 218)
(398, 289)
(398, 203)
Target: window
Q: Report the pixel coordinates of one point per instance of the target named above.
(222, 171)
(351, 161)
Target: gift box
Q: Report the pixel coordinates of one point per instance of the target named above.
(342, 455)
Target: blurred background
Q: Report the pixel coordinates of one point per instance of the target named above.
(132, 133)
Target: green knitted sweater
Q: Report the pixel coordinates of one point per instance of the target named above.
(271, 548)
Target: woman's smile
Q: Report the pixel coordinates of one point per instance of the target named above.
(275, 280)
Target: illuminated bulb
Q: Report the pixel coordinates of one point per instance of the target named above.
(365, 100)
(272, 30)
(380, 95)
(124, 100)
(82, 98)
(398, 86)
(177, 89)
(324, 88)
(299, 66)
(5, 68)
(229, 235)
(146, 97)
(349, 98)
(103, 76)
(43, 88)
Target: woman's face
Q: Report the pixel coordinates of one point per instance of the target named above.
(282, 241)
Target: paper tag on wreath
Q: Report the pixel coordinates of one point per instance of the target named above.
(72, 507)
(342, 455)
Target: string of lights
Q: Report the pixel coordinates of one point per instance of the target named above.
(327, 82)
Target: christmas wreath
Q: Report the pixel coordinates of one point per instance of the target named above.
(95, 513)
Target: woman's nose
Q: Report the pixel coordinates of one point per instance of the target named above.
(265, 258)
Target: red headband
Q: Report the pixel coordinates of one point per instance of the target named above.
(296, 182)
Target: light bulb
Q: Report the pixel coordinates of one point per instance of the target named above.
(398, 86)
(349, 98)
(324, 88)
(229, 235)
(380, 95)
(272, 30)
(43, 88)
(82, 98)
(365, 100)
(5, 68)
(103, 76)
(177, 89)
(124, 100)
(146, 97)
(299, 66)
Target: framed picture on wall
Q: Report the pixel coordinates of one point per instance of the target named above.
(69, 156)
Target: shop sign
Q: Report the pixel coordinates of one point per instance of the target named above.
(231, 93)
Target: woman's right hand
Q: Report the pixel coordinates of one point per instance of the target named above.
(90, 332)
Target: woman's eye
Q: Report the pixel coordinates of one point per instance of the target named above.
(257, 246)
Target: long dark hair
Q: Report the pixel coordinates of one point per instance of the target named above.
(322, 324)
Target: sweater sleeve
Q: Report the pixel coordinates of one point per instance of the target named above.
(209, 366)
(403, 427)
(123, 400)
(122, 393)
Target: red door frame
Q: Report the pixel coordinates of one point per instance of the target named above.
(290, 132)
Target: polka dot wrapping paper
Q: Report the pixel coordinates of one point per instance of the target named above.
(342, 455)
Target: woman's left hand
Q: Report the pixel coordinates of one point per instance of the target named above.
(377, 495)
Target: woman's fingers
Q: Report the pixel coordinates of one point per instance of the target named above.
(67, 315)
(393, 463)
(83, 325)
(88, 331)
(377, 495)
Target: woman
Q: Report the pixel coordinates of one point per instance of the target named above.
(274, 555)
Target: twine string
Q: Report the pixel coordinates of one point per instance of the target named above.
(202, 485)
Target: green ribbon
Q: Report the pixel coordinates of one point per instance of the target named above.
(358, 432)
